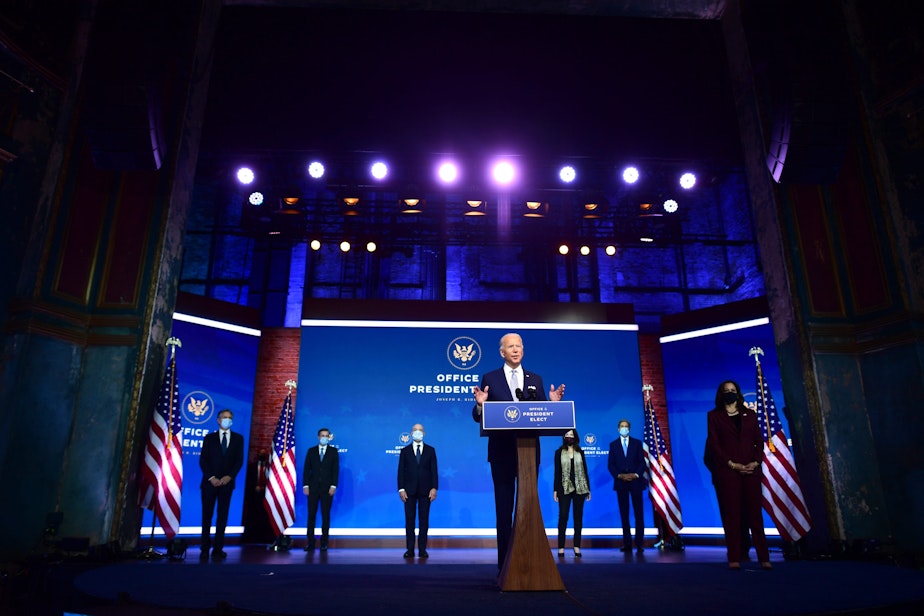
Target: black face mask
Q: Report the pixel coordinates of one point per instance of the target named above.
(730, 397)
(569, 441)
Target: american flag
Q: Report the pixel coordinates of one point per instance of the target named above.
(161, 486)
(662, 485)
(782, 494)
(279, 499)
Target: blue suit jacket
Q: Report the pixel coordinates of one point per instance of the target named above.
(502, 447)
(418, 479)
(633, 461)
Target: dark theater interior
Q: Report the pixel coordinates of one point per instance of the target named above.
(649, 167)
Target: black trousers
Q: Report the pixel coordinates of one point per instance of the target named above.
(417, 507)
(505, 487)
(210, 496)
(325, 499)
(622, 496)
(564, 506)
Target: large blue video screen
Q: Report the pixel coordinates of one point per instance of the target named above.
(693, 369)
(215, 370)
(369, 382)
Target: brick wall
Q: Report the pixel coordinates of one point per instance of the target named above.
(277, 362)
(649, 348)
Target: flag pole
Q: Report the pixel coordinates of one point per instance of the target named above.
(150, 553)
(283, 543)
(756, 352)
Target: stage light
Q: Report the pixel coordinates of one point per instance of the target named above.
(255, 198)
(687, 181)
(644, 208)
(315, 245)
(585, 250)
(476, 207)
(411, 205)
(610, 250)
(630, 175)
(370, 247)
(245, 175)
(448, 173)
(670, 206)
(379, 170)
(350, 203)
(316, 170)
(503, 172)
(536, 209)
(563, 249)
(594, 209)
(567, 174)
(290, 200)
(646, 239)
(344, 246)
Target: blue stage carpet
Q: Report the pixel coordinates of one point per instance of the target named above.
(600, 583)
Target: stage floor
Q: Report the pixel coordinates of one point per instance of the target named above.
(254, 580)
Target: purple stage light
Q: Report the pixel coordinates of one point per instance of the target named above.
(379, 170)
(503, 172)
(255, 198)
(567, 174)
(448, 172)
(245, 175)
(687, 181)
(630, 175)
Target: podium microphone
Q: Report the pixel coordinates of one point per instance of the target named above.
(519, 393)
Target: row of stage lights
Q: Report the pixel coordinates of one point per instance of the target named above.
(563, 249)
(502, 172)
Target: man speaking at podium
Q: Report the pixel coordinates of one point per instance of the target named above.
(509, 383)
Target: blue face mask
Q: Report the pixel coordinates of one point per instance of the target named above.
(624, 432)
(225, 423)
(324, 440)
(417, 435)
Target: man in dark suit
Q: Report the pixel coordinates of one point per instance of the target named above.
(221, 459)
(627, 466)
(418, 481)
(319, 482)
(511, 382)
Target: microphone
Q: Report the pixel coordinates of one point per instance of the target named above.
(519, 393)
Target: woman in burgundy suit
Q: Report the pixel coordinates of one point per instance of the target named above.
(735, 447)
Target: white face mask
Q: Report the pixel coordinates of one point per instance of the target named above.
(225, 423)
(417, 435)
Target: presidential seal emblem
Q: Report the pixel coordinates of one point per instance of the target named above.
(197, 407)
(511, 414)
(463, 353)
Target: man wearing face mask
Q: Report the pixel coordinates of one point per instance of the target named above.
(418, 481)
(626, 464)
(221, 459)
(319, 482)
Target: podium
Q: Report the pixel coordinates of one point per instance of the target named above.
(529, 565)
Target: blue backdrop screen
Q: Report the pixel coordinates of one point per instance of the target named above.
(216, 370)
(368, 383)
(693, 369)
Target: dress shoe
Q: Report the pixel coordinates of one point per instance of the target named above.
(577, 552)
(409, 554)
(639, 550)
(323, 547)
(625, 548)
(219, 555)
(203, 554)
(561, 552)
(423, 554)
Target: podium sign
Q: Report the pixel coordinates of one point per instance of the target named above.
(537, 417)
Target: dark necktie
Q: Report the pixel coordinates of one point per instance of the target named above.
(322, 453)
(224, 442)
(418, 454)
